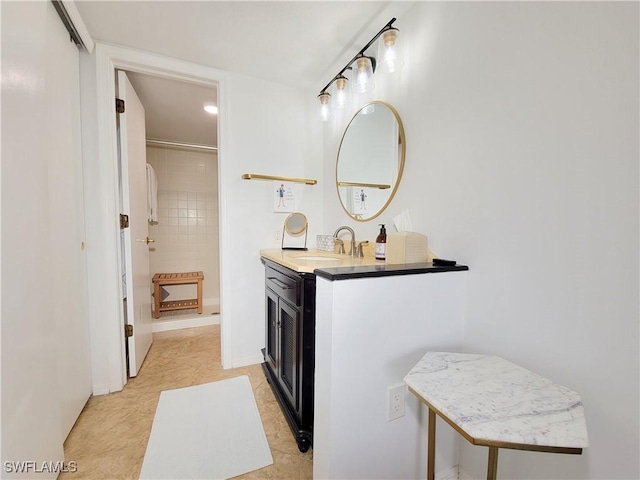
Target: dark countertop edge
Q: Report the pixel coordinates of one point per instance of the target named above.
(383, 270)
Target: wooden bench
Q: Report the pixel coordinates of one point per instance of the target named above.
(187, 278)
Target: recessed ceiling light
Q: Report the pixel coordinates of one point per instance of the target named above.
(210, 108)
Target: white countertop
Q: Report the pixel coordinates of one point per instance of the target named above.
(493, 400)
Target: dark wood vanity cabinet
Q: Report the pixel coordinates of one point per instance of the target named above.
(289, 353)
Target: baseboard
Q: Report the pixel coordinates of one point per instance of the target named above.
(164, 325)
(462, 475)
(448, 474)
(246, 361)
(100, 389)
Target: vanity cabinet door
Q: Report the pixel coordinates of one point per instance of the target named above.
(289, 345)
(272, 321)
(281, 349)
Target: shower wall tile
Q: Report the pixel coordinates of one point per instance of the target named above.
(187, 231)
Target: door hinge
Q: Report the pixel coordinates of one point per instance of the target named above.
(124, 221)
(128, 331)
(119, 105)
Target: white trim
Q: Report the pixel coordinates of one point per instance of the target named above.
(224, 241)
(161, 325)
(101, 389)
(246, 361)
(110, 277)
(78, 24)
(462, 475)
(109, 58)
(451, 473)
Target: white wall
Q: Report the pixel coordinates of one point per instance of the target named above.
(270, 132)
(522, 128)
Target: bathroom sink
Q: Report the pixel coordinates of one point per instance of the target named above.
(318, 258)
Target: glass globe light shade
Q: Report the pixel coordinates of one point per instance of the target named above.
(389, 60)
(340, 94)
(363, 75)
(325, 110)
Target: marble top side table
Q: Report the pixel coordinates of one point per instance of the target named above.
(494, 403)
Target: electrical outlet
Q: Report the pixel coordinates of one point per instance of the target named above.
(278, 235)
(395, 401)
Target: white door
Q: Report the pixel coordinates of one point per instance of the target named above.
(65, 203)
(133, 168)
(46, 376)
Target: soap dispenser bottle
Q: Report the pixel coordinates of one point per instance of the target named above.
(381, 243)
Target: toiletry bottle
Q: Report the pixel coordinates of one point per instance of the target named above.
(381, 243)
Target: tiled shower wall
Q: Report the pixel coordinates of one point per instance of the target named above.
(186, 236)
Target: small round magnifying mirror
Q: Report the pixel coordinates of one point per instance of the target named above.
(295, 225)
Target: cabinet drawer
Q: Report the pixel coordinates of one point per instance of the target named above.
(285, 286)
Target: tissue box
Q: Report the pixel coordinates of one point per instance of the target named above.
(406, 247)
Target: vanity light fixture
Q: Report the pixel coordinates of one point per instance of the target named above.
(365, 66)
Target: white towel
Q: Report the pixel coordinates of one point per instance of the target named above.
(152, 195)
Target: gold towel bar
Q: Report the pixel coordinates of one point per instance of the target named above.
(257, 176)
(381, 186)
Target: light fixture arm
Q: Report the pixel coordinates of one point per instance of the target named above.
(360, 54)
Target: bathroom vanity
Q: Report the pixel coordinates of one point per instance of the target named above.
(339, 332)
(290, 302)
(290, 310)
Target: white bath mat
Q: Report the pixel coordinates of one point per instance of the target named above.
(210, 431)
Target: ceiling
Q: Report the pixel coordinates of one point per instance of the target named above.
(301, 43)
(174, 111)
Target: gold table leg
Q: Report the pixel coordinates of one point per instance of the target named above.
(492, 469)
(431, 447)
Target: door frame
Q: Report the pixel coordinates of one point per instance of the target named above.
(107, 344)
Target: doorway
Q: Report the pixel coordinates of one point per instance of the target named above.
(100, 171)
(181, 150)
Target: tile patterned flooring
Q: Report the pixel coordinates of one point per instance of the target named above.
(110, 437)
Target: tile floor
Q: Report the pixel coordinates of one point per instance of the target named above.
(110, 437)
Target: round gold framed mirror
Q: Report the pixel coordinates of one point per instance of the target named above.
(370, 161)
